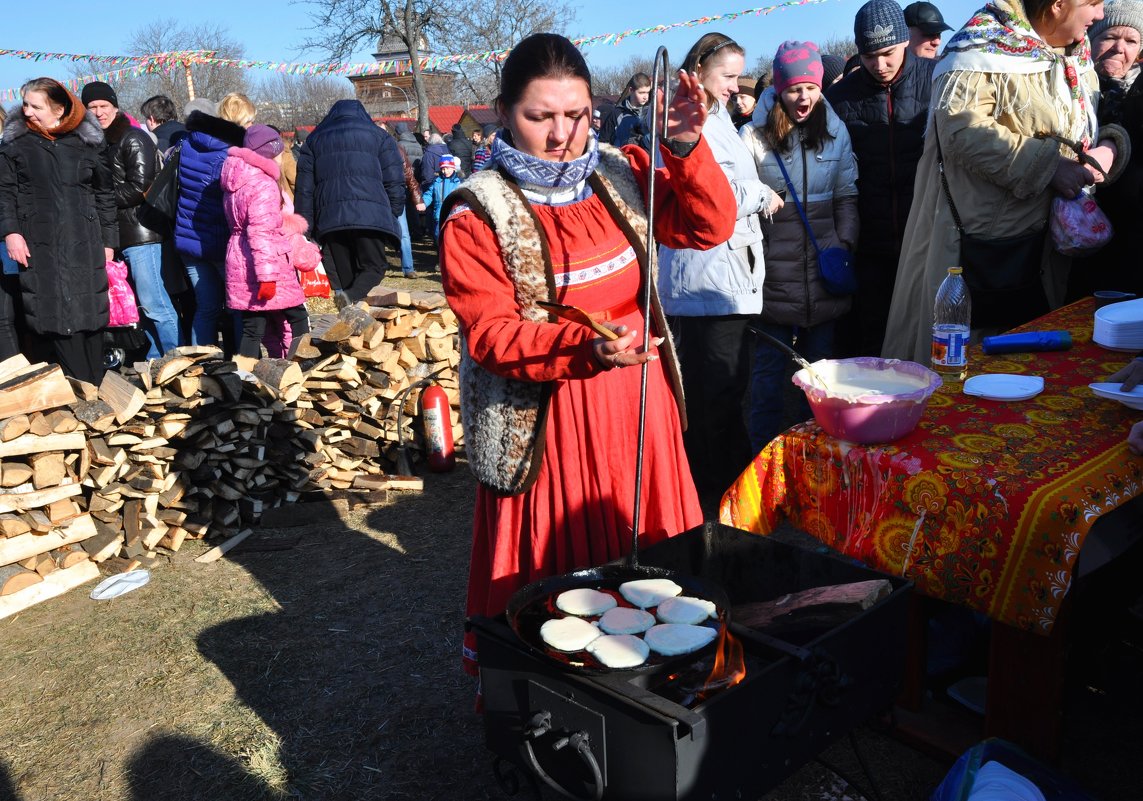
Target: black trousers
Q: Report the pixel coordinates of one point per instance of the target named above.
(9, 316)
(355, 261)
(254, 327)
(714, 354)
(79, 354)
(861, 330)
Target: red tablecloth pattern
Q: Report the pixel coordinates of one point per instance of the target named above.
(986, 504)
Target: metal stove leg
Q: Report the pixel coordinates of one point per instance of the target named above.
(507, 775)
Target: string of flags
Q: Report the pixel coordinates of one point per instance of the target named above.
(134, 66)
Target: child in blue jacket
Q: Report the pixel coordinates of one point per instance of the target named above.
(446, 181)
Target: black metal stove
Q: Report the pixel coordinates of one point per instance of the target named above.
(653, 735)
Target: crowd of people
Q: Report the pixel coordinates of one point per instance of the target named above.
(213, 215)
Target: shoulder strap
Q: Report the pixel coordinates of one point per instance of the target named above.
(794, 195)
(945, 181)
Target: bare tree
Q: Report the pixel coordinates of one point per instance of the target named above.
(613, 80)
(287, 101)
(490, 26)
(168, 36)
(344, 25)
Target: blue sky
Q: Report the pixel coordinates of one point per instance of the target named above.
(272, 29)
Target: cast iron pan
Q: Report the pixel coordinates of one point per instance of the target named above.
(531, 606)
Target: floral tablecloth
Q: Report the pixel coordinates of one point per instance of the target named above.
(986, 504)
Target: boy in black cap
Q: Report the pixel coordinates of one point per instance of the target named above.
(884, 105)
(925, 28)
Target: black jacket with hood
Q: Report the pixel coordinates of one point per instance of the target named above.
(57, 194)
(133, 160)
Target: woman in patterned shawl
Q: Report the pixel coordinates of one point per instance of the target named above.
(1013, 71)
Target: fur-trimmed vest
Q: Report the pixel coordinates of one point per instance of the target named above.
(504, 419)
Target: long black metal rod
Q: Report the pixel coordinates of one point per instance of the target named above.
(661, 72)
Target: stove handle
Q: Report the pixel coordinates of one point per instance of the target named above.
(541, 724)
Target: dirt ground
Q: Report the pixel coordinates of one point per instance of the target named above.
(322, 662)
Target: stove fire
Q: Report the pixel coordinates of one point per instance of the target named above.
(729, 665)
(701, 680)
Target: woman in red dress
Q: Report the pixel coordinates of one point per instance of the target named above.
(549, 408)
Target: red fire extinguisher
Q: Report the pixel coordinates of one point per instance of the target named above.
(437, 419)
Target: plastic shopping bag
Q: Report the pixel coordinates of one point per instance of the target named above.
(1079, 227)
(120, 296)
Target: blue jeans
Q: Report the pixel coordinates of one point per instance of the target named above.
(162, 321)
(206, 278)
(406, 243)
(768, 386)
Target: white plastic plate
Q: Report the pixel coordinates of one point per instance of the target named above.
(1127, 311)
(114, 586)
(1112, 391)
(1004, 386)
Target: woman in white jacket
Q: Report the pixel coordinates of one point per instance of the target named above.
(794, 123)
(711, 295)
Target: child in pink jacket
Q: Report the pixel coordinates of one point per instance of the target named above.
(266, 246)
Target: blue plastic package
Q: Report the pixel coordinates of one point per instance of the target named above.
(1033, 341)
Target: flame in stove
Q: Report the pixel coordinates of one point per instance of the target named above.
(729, 664)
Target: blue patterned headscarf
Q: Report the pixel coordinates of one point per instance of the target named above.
(559, 181)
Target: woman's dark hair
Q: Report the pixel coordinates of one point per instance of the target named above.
(707, 51)
(56, 94)
(815, 130)
(541, 55)
(1036, 10)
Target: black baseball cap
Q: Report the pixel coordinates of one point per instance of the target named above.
(927, 17)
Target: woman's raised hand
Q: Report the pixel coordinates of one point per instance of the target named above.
(687, 112)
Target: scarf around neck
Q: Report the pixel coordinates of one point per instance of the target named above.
(998, 39)
(548, 182)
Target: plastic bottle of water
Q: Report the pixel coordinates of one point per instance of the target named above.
(951, 314)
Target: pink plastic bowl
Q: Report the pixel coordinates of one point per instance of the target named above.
(867, 419)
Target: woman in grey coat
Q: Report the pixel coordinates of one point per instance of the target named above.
(711, 295)
(794, 123)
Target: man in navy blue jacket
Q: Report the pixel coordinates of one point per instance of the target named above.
(351, 190)
(884, 105)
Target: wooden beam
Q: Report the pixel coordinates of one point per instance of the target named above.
(56, 583)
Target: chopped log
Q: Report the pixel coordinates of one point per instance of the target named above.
(13, 474)
(57, 583)
(12, 525)
(14, 549)
(96, 414)
(813, 608)
(41, 563)
(23, 501)
(83, 390)
(14, 365)
(125, 398)
(14, 427)
(216, 553)
(278, 374)
(47, 469)
(386, 296)
(42, 386)
(303, 349)
(14, 578)
(104, 544)
(69, 556)
(61, 421)
(30, 443)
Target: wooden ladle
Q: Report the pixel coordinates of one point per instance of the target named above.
(577, 315)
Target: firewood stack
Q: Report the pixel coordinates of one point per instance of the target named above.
(194, 445)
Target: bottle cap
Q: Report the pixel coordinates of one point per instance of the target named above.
(955, 270)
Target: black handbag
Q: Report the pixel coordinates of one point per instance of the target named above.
(161, 200)
(1003, 275)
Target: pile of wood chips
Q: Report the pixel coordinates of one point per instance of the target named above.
(195, 445)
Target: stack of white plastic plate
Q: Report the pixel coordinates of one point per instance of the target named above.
(1119, 326)
(1132, 399)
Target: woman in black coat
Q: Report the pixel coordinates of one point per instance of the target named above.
(57, 216)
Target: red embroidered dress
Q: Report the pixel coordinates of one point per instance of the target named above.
(579, 511)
